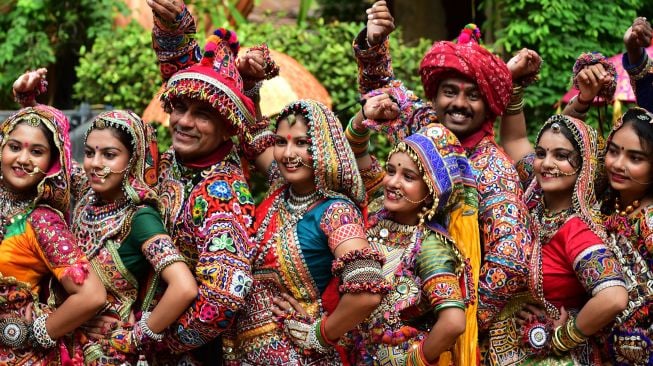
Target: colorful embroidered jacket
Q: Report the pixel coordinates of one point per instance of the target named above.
(36, 245)
(641, 80)
(505, 234)
(631, 239)
(209, 214)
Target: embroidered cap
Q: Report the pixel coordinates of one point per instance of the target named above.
(215, 80)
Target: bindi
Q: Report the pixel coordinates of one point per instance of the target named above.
(288, 137)
(26, 144)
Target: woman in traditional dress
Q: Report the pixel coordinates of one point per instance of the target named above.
(427, 227)
(311, 239)
(576, 284)
(117, 224)
(629, 223)
(36, 243)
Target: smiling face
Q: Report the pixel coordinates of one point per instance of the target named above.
(106, 161)
(292, 154)
(628, 164)
(460, 106)
(25, 157)
(556, 166)
(405, 190)
(196, 128)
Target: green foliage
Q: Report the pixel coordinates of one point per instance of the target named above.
(120, 70)
(344, 10)
(559, 31)
(223, 15)
(325, 50)
(35, 33)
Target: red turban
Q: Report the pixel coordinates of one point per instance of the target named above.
(471, 61)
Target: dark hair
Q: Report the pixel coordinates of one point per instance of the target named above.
(566, 132)
(641, 121)
(123, 136)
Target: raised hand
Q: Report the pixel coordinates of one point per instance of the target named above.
(251, 65)
(524, 65)
(380, 107)
(380, 23)
(591, 80)
(638, 35)
(30, 81)
(168, 10)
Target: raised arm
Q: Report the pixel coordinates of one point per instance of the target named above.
(173, 36)
(590, 81)
(513, 133)
(371, 48)
(637, 63)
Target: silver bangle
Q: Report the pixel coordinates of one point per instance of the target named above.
(157, 337)
(41, 333)
(254, 91)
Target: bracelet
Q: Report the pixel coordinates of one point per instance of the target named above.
(516, 104)
(581, 101)
(323, 333)
(361, 135)
(574, 333)
(40, 333)
(362, 102)
(147, 332)
(253, 91)
(415, 357)
(574, 101)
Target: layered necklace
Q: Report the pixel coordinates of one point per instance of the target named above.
(99, 221)
(297, 204)
(550, 222)
(12, 207)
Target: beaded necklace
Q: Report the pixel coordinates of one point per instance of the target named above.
(628, 210)
(548, 225)
(12, 208)
(299, 203)
(98, 222)
(550, 222)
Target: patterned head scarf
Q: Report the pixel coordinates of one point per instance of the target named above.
(54, 189)
(334, 164)
(216, 81)
(454, 214)
(142, 175)
(471, 61)
(447, 173)
(592, 153)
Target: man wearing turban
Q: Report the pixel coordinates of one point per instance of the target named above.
(468, 88)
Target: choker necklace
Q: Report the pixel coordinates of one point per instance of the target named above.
(297, 203)
(550, 222)
(628, 210)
